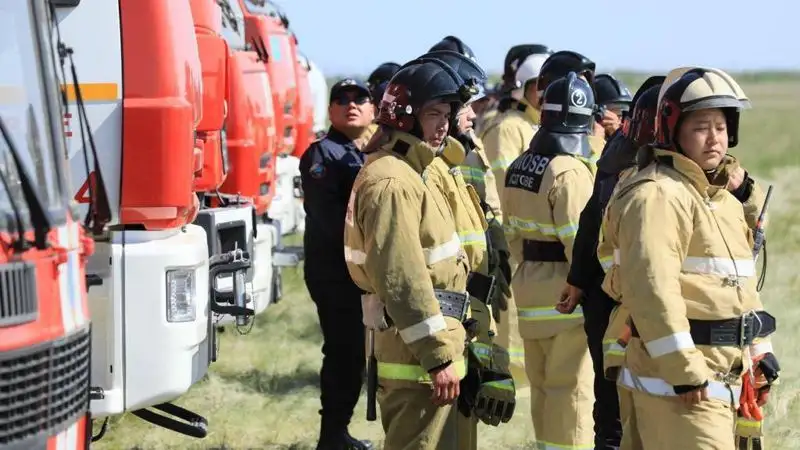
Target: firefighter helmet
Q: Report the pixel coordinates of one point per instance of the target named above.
(415, 84)
(514, 57)
(568, 105)
(611, 91)
(559, 64)
(529, 69)
(454, 44)
(641, 125)
(379, 78)
(695, 89)
(467, 69)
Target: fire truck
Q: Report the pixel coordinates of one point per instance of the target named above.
(154, 287)
(45, 343)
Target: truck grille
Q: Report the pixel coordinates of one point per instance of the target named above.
(43, 389)
(18, 300)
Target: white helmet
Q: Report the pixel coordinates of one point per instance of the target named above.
(529, 68)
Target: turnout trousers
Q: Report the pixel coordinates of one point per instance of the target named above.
(560, 373)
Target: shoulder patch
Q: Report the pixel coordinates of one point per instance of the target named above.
(317, 171)
(527, 171)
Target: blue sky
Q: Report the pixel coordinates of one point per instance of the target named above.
(354, 36)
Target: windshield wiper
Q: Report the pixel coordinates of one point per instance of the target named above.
(99, 211)
(20, 244)
(39, 216)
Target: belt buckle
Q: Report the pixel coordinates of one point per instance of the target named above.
(746, 329)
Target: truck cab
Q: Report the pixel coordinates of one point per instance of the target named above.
(141, 87)
(44, 315)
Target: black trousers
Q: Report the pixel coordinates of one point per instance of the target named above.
(343, 351)
(597, 309)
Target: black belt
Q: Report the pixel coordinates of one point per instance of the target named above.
(543, 251)
(739, 332)
(453, 304)
(481, 286)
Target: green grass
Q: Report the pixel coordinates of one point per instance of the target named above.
(262, 393)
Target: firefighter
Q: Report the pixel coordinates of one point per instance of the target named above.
(586, 273)
(327, 171)
(683, 267)
(547, 187)
(613, 101)
(403, 250)
(488, 390)
(379, 78)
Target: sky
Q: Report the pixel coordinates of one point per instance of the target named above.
(355, 36)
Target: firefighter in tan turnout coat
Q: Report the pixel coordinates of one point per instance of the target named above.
(683, 267)
(547, 187)
(403, 250)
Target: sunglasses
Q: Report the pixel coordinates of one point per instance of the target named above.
(344, 100)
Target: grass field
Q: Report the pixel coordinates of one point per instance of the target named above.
(262, 393)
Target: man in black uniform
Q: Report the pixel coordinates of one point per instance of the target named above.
(327, 170)
(586, 274)
(614, 101)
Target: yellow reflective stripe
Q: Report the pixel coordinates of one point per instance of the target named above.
(568, 230)
(482, 351)
(472, 237)
(547, 313)
(514, 223)
(409, 372)
(607, 262)
(612, 347)
(748, 423)
(472, 175)
(543, 445)
(506, 385)
(502, 163)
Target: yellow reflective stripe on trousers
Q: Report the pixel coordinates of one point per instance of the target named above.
(517, 355)
(432, 254)
(542, 445)
(613, 347)
(410, 372)
(547, 313)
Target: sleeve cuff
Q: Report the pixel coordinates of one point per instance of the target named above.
(438, 357)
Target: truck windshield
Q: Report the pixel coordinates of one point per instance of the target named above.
(26, 107)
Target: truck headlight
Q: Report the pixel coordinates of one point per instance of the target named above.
(181, 296)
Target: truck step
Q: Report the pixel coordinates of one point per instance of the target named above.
(288, 256)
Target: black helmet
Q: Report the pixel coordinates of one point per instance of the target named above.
(568, 105)
(454, 44)
(514, 58)
(611, 91)
(640, 127)
(415, 84)
(382, 73)
(466, 68)
(559, 64)
(379, 78)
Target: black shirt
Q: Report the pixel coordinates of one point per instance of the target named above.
(327, 172)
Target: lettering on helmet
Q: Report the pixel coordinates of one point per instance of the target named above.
(527, 171)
